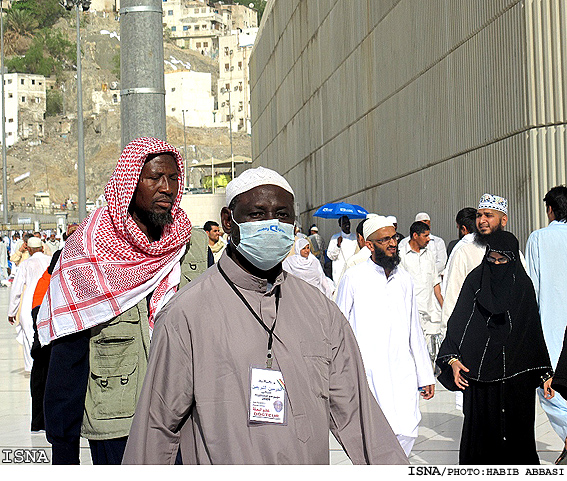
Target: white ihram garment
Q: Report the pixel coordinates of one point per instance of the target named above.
(340, 255)
(23, 287)
(385, 320)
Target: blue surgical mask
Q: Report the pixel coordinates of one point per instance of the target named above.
(265, 243)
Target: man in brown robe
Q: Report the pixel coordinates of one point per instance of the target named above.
(213, 334)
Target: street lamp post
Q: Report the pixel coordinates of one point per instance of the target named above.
(4, 161)
(184, 150)
(77, 4)
(224, 90)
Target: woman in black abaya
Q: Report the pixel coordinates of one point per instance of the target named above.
(494, 350)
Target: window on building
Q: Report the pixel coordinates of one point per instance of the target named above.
(33, 81)
(205, 44)
(10, 95)
(173, 89)
(22, 81)
(9, 134)
(226, 50)
(185, 28)
(196, 10)
(170, 12)
(10, 121)
(173, 109)
(40, 129)
(204, 26)
(9, 80)
(23, 99)
(196, 28)
(227, 86)
(228, 118)
(198, 44)
(115, 98)
(239, 65)
(174, 29)
(226, 67)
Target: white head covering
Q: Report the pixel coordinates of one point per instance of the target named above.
(392, 219)
(421, 217)
(253, 178)
(373, 223)
(495, 202)
(34, 242)
(309, 269)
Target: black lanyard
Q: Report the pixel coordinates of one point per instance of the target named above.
(258, 318)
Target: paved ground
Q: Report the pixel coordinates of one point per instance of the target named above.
(437, 444)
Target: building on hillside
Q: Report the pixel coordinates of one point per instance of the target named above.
(188, 98)
(197, 24)
(194, 24)
(105, 5)
(234, 79)
(405, 107)
(25, 107)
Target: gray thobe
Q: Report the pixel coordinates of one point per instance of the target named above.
(196, 391)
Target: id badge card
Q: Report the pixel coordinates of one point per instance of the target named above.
(267, 397)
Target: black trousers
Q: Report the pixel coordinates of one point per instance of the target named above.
(37, 386)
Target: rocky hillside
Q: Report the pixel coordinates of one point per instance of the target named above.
(52, 163)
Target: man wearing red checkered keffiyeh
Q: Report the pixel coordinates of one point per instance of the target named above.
(121, 255)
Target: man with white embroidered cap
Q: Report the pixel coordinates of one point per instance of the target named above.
(491, 215)
(377, 298)
(251, 365)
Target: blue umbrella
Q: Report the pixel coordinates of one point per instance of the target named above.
(336, 211)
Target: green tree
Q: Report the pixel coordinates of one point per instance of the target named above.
(21, 22)
(45, 12)
(53, 103)
(48, 54)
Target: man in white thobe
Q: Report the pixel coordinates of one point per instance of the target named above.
(341, 246)
(419, 262)
(21, 292)
(363, 252)
(377, 298)
(436, 246)
(546, 259)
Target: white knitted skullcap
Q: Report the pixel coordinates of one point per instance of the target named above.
(373, 223)
(253, 178)
(421, 217)
(34, 242)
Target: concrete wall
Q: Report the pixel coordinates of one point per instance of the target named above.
(203, 207)
(404, 106)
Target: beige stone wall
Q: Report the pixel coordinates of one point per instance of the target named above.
(405, 106)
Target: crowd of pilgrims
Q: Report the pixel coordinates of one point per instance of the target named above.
(477, 315)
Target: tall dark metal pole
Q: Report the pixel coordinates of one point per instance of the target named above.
(80, 129)
(184, 151)
(4, 161)
(142, 94)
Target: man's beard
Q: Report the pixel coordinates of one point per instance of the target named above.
(385, 261)
(482, 239)
(155, 220)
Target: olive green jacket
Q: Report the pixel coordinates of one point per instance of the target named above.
(118, 357)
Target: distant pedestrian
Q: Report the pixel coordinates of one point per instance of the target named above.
(495, 352)
(317, 243)
(21, 294)
(216, 244)
(466, 225)
(394, 220)
(546, 260)
(419, 262)
(341, 246)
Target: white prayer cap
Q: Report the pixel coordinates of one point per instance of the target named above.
(253, 178)
(315, 228)
(421, 217)
(495, 202)
(392, 219)
(34, 242)
(373, 223)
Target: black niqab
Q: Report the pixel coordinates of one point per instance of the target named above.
(495, 328)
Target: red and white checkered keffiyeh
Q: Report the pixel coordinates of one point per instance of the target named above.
(108, 265)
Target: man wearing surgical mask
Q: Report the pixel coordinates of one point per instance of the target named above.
(251, 365)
